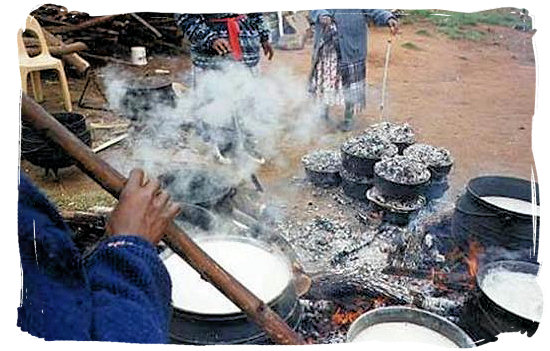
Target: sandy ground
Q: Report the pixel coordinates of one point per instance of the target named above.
(474, 98)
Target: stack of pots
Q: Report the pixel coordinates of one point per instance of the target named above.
(439, 162)
(359, 154)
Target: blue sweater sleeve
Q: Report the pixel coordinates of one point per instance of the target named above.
(131, 292)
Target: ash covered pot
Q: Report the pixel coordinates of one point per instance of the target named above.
(323, 167)
(401, 176)
(402, 135)
(355, 186)
(438, 159)
(359, 154)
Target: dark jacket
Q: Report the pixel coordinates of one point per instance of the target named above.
(121, 293)
(352, 30)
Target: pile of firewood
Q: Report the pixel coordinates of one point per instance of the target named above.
(108, 38)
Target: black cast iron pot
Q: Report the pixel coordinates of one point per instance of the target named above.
(143, 95)
(502, 319)
(39, 150)
(364, 166)
(190, 327)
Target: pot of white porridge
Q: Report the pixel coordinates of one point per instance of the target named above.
(510, 295)
(500, 212)
(202, 315)
(407, 325)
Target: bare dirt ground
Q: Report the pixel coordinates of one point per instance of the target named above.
(474, 98)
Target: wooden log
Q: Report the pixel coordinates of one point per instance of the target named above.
(84, 25)
(61, 50)
(330, 287)
(73, 59)
(108, 59)
(147, 25)
(112, 181)
(110, 143)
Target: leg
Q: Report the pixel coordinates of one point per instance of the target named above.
(37, 86)
(24, 75)
(65, 89)
(325, 113)
(349, 115)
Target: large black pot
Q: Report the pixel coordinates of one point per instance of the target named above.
(39, 150)
(355, 186)
(323, 179)
(189, 327)
(492, 226)
(393, 189)
(143, 95)
(502, 319)
(363, 166)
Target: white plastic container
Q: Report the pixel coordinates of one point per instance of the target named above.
(139, 56)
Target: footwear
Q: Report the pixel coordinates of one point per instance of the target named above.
(346, 125)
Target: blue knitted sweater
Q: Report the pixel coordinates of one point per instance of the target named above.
(120, 293)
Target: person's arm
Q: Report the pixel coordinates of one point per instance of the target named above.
(199, 33)
(380, 17)
(131, 291)
(257, 20)
(383, 17)
(130, 286)
(196, 29)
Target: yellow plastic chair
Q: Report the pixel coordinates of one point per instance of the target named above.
(41, 62)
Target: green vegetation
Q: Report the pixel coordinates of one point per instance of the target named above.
(411, 46)
(459, 25)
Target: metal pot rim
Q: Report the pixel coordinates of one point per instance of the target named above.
(410, 315)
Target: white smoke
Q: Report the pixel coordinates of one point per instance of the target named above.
(271, 109)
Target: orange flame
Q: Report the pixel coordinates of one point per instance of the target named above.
(380, 301)
(472, 259)
(341, 317)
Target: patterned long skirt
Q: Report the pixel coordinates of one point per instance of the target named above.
(334, 83)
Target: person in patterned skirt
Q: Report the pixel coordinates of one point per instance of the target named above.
(338, 64)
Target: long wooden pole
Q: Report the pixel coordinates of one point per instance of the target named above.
(385, 78)
(112, 181)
